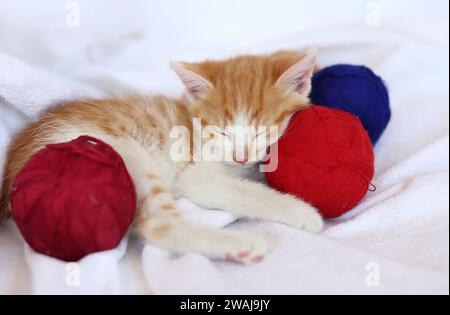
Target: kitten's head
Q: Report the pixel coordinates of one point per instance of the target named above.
(245, 103)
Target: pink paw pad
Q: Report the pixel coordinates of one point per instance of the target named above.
(257, 258)
(230, 258)
(243, 254)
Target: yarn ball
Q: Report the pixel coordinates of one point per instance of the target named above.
(355, 89)
(325, 158)
(73, 199)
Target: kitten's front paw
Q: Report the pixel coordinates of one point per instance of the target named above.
(307, 218)
(314, 222)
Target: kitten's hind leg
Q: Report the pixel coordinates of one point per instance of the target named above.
(183, 237)
(161, 223)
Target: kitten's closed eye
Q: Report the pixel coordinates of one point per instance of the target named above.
(220, 132)
(224, 133)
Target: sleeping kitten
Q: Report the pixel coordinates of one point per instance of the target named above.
(242, 92)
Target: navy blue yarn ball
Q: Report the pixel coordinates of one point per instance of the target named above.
(355, 89)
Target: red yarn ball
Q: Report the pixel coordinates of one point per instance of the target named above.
(325, 158)
(73, 199)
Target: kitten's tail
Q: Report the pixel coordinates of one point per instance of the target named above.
(4, 208)
(22, 147)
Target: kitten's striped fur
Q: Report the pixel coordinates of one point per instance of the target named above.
(253, 90)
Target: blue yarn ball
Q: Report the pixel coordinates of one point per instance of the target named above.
(355, 89)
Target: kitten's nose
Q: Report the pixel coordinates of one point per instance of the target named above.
(242, 158)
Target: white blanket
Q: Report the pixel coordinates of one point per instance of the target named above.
(395, 241)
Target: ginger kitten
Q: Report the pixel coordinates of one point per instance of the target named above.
(242, 92)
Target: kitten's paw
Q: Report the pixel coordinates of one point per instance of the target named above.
(248, 249)
(308, 219)
(313, 222)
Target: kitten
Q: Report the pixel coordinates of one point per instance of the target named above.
(240, 92)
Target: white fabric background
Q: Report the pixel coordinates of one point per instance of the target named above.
(402, 228)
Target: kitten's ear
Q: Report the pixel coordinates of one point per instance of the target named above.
(298, 77)
(195, 84)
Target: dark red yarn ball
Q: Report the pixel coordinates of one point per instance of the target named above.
(73, 199)
(325, 158)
